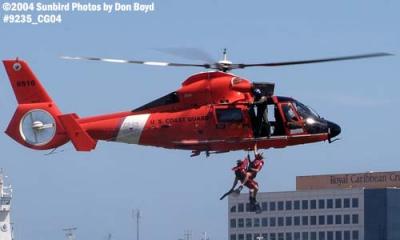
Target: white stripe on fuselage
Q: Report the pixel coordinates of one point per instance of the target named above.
(131, 128)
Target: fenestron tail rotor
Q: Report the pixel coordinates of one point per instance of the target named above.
(225, 65)
(37, 127)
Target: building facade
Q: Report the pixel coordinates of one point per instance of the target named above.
(5, 201)
(331, 212)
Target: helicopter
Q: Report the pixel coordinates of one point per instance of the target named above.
(212, 112)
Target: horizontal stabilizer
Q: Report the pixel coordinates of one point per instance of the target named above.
(81, 140)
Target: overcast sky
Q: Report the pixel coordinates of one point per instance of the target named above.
(96, 191)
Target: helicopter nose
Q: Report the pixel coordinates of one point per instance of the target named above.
(334, 129)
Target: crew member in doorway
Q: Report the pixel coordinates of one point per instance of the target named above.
(260, 102)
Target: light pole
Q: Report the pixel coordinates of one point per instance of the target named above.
(136, 215)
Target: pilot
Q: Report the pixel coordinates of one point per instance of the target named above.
(292, 120)
(260, 102)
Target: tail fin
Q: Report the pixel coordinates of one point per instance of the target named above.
(27, 88)
(38, 123)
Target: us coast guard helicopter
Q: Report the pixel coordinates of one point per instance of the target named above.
(211, 112)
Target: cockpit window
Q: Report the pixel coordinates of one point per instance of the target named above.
(289, 113)
(304, 111)
(165, 100)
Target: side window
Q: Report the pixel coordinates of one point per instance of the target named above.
(165, 100)
(229, 115)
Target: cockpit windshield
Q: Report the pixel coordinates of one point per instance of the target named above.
(304, 111)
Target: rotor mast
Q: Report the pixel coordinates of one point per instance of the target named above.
(224, 65)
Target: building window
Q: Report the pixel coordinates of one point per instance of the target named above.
(313, 204)
(296, 205)
(240, 222)
(280, 206)
(346, 235)
(329, 235)
(248, 208)
(272, 236)
(288, 221)
(304, 220)
(265, 236)
(233, 209)
(329, 219)
(354, 219)
(280, 221)
(338, 203)
(240, 207)
(338, 235)
(259, 236)
(241, 237)
(338, 219)
(354, 202)
(346, 219)
(264, 222)
(272, 222)
(233, 223)
(264, 206)
(248, 222)
(256, 222)
(288, 205)
(321, 204)
(321, 220)
(346, 203)
(321, 235)
(296, 236)
(233, 236)
(305, 235)
(313, 235)
(297, 221)
(248, 236)
(280, 236)
(313, 220)
(355, 235)
(329, 203)
(304, 204)
(272, 206)
(288, 236)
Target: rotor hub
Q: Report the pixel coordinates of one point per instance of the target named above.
(37, 125)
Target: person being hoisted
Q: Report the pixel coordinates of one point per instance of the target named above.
(254, 167)
(245, 173)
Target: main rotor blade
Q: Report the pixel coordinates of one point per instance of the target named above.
(275, 64)
(112, 60)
